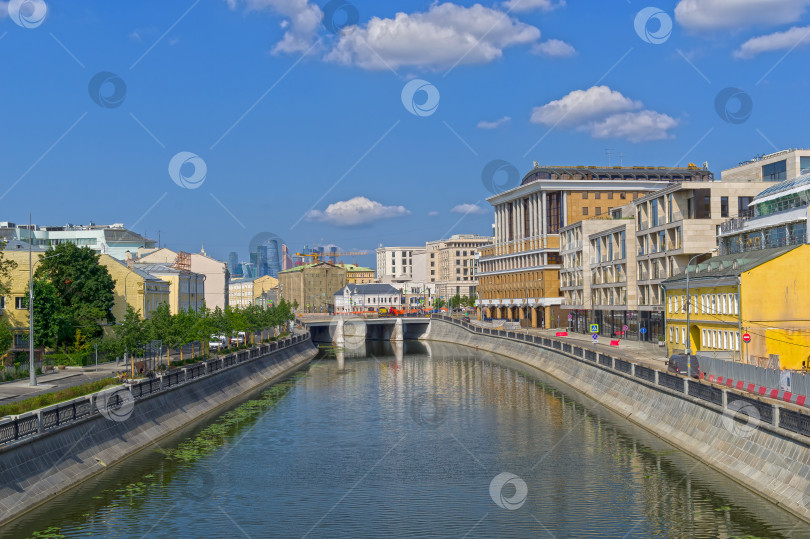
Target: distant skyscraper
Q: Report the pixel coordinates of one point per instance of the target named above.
(233, 263)
(248, 270)
(273, 260)
(261, 261)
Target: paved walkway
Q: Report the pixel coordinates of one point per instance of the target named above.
(56, 380)
(647, 354)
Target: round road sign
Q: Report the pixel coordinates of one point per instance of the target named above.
(643, 330)
(746, 337)
(625, 328)
(595, 336)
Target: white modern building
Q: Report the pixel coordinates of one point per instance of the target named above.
(396, 263)
(365, 297)
(113, 240)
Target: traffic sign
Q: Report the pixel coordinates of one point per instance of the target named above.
(594, 328)
(570, 316)
(643, 331)
(625, 328)
(595, 336)
(746, 338)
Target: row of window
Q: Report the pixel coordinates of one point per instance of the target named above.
(705, 304)
(719, 339)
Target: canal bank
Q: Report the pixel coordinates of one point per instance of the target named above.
(770, 460)
(42, 466)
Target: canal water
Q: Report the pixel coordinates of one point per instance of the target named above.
(416, 439)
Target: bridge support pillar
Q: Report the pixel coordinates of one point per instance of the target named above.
(337, 337)
(398, 334)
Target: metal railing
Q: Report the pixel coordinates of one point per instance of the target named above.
(737, 403)
(25, 425)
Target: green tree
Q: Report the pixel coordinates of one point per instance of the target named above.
(51, 322)
(84, 288)
(204, 327)
(438, 303)
(132, 331)
(455, 302)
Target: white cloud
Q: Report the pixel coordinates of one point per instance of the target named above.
(605, 113)
(554, 48)
(734, 14)
(3, 10)
(483, 124)
(633, 126)
(444, 35)
(356, 211)
(530, 5)
(468, 209)
(796, 36)
(302, 21)
(583, 105)
(433, 213)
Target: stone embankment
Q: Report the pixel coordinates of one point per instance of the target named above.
(760, 443)
(46, 452)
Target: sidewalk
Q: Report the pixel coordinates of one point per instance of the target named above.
(647, 354)
(56, 380)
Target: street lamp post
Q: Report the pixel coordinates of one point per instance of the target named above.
(688, 309)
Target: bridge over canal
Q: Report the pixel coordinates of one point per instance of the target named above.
(339, 330)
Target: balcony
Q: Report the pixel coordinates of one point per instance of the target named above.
(738, 222)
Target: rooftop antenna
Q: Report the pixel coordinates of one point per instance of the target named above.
(621, 159)
(609, 154)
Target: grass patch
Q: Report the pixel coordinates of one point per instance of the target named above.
(213, 436)
(47, 399)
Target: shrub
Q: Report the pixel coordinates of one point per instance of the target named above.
(47, 399)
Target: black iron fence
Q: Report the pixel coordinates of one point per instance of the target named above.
(31, 423)
(761, 410)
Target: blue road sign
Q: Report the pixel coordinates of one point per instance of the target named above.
(643, 330)
(594, 328)
(595, 336)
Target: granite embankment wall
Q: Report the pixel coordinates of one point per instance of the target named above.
(767, 450)
(55, 458)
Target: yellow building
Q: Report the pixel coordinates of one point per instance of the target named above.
(762, 293)
(245, 291)
(358, 274)
(186, 288)
(137, 288)
(142, 291)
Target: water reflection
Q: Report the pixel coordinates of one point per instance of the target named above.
(411, 439)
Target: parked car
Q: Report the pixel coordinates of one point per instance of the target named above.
(678, 364)
(217, 342)
(238, 339)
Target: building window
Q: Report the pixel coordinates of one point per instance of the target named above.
(585, 196)
(610, 196)
(2, 302)
(19, 302)
(723, 206)
(597, 195)
(585, 210)
(804, 164)
(774, 171)
(598, 211)
(683, 334)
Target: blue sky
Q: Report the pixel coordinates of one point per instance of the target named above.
(294, 122)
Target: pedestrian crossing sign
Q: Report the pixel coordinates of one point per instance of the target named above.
(594, 328)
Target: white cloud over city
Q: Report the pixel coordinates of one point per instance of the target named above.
(355, 212)
(532, 5)
(468, 209)
(604, 113)
(777, 41)
(484, 124)
(554, 48)
(727, 14)
(302, 21)
(440, 37)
